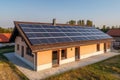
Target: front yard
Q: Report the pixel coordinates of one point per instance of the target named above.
(105, 70)
(7, 70)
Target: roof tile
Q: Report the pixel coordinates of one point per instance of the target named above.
(4, 37)
(114, 32)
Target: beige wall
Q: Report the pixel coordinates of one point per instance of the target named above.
(108, 45)
(44, 57)
(101, 46)
(70, 52)
(19, 41)
(87, 49)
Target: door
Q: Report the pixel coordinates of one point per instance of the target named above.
(77, 55)
(105, 48)
(55, 58)
(22, 48)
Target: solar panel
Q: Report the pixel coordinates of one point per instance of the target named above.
(46, 34)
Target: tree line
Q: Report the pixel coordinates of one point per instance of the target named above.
(104, 28)
(6, 30)
(81, 22)
(107, 28)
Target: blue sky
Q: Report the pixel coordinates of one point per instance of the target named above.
(101, 12)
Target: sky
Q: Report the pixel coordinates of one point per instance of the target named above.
(101, 12)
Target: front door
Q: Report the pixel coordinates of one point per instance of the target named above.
(22, 54)
(77, 55)
(105, 49)
(55, 58)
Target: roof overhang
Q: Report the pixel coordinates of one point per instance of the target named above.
(37, 48)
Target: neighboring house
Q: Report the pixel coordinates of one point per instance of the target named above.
(46, 45)
(4, 37)
(115, 33)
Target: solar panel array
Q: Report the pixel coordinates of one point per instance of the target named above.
(45, 34)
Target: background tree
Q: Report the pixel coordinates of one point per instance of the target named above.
(89, 23)
(6, 30)
(79, 22)
(97, 28)
(105, 29)
(72, 22)
(83, 23)
(113, 27)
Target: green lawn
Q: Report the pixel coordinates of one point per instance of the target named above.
(7, 70)
(105, 70)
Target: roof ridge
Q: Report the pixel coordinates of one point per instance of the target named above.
(57, 24)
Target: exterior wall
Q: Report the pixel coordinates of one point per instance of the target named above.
(28, 59)
(87, 49)
(108, 46)
(44, 60)
(70, 56)
(101, 46)
(90, 50)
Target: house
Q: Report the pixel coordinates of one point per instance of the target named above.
(115, 33)
(47, 45)
(4, 37)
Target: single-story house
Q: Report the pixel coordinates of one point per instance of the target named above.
(47, 45)
(115, 33)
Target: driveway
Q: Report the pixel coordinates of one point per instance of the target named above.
(33, 75)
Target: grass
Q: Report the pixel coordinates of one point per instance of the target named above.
(7, 70)
(105, 70)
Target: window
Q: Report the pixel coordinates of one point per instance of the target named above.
(98, 47)
(17, 46)
(29, 52)
(63, 54)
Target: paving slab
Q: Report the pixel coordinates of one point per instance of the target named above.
(33, 75)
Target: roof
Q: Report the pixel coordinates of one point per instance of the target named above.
(46, 36)
(114, 32)
(4, 37)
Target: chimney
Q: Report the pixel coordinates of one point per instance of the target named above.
(54, 22)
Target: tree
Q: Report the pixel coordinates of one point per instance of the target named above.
(79, 22)
(6, 30)
(97, 28)
(89, 23)
(72, 22)
(82, 23)
(113, 27)
(105, 29)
